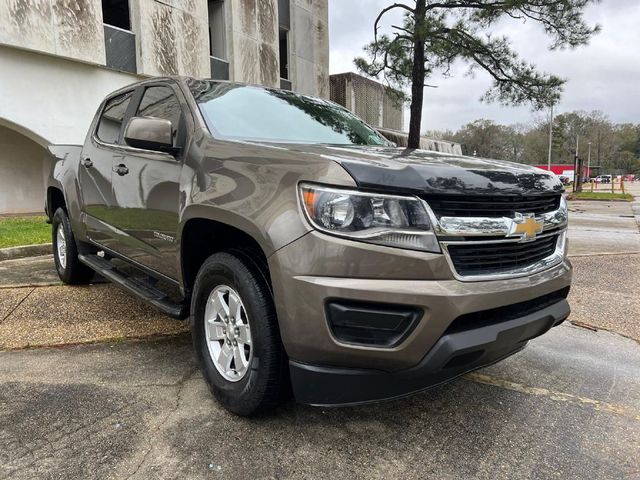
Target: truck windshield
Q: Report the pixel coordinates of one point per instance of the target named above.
(243, 112)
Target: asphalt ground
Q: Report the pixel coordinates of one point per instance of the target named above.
(606, 293)
(568, 406)
(602, 228)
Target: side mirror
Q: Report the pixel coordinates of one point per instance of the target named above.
(149, 133)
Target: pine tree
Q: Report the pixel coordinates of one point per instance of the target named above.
(436, 33)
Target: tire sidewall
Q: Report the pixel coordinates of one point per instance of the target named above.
(244, 395)
(60, 218)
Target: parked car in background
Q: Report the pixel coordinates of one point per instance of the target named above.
(308, 252)
(564, 179)
(603, 179)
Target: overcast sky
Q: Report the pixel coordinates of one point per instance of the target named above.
(605, 75)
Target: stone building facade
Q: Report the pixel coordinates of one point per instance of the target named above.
(382, 108)
(375, 103)
(59, 58)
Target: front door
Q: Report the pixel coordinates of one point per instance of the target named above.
(146, 186)
(95, 169)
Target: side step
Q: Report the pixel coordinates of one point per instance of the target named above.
(136, 286)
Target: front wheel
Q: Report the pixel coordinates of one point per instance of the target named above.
(65, 252)
(235, 335)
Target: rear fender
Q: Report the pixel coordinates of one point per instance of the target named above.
(63, 176)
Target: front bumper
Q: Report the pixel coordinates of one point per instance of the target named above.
(453, 355)
(316, 269)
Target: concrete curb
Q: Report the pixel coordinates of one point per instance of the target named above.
(635, 209)
(574, 199)
(24, 251)
(601, 254)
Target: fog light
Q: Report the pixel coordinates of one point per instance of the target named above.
(368, 323)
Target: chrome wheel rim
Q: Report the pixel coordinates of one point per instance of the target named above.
(228, 333)
(61, 244)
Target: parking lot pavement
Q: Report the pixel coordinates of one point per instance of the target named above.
(568, 406)
(605, 293)
(602, 227)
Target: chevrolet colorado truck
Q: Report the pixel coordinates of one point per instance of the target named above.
(311, 255)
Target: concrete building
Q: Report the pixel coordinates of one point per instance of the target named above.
(376, 104)
(59, 58)
(382, 108)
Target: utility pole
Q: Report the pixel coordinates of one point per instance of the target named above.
(589, 162)
(576, 167)
(550, 139)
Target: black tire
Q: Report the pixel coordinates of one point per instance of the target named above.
(73, 272)
(265, 384)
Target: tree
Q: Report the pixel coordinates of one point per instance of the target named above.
(482, 138)
(615, 148)
(436, 33)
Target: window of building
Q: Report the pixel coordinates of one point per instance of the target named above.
(217, 35)
(112, 118)
(284, 13)
(161, 102)
(116, 13)
(284, 53)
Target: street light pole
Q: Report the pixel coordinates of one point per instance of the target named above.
(589, 162)
(550, 139)
(576, 166)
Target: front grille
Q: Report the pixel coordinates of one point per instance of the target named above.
(491, 205)
(495, 258)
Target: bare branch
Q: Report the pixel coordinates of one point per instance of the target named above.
(383, 12)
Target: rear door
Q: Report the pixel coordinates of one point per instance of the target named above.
(96, 164)
(146, 186)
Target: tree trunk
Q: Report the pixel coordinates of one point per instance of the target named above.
(417, 76)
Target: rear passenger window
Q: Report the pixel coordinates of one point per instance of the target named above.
(161, 102)
(112, 118)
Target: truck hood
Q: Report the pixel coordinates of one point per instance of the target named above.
(426, 172)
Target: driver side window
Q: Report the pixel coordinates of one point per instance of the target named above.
(161, 102)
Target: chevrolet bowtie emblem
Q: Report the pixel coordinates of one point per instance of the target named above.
(525, 226)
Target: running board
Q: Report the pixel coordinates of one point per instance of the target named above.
(138, 287)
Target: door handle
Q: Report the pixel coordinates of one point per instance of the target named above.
(87, 162)
(121, 169)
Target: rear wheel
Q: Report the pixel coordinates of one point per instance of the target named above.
(65, 252)
(235, 335)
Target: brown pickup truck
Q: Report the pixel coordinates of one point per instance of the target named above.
(310, 254)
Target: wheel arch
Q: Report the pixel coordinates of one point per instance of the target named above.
(200, 236)
(55, 199)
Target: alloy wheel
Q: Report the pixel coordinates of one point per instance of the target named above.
(61, 246)
(228, 333)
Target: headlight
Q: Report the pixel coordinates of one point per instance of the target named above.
(390, 220)
(563, 204)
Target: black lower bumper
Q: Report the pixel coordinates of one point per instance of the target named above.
(453, 355)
